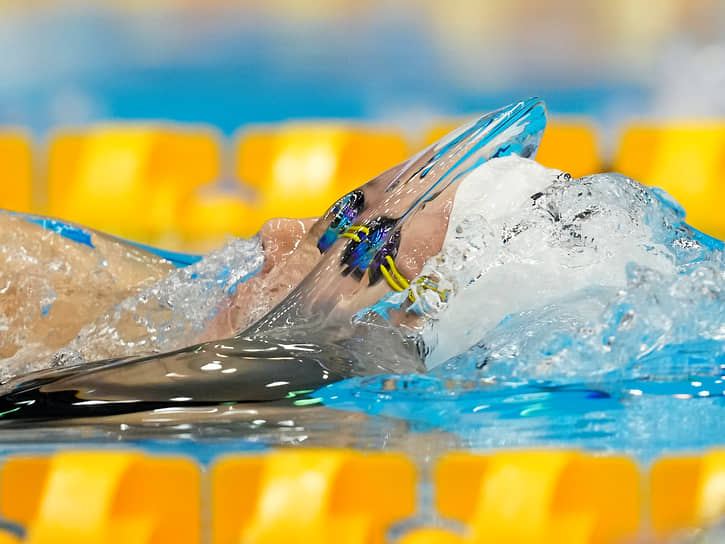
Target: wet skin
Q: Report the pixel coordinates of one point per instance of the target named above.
(51, 286)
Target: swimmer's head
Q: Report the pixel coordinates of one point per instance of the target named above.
(374, 240)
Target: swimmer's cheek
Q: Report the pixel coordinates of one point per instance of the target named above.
(281, 237)
(423, 237)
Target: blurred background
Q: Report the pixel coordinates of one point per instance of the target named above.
(180, 122)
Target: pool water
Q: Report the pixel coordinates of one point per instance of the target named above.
(642, 418)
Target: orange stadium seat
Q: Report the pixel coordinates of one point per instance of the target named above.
(8, 538)
(299, 169)
(110, 497)
(687, 492)
(209, 215)
(292, 495)
(16, 171)
(433, 535)
(685, 159)
(570, 145)
(310, 496)
(541, 497)
(130, 180)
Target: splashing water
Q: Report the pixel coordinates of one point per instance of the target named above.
(567, 299)
(171, 313)
(549, 276)
(578, 278)
(162, 314)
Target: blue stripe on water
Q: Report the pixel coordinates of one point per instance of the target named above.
(178, 259)
(66, 230)
(82, 236)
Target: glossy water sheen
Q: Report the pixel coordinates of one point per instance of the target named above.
(642, 418)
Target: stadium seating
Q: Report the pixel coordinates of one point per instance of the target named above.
(16, 170)
(686, 159)
(571, 145)
(166, 183)
(129, 180)
(356, 497)
(298, 169)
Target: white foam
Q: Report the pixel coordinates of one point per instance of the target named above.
(521, 235)
(173, 312)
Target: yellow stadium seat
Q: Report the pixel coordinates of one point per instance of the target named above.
(431, 536)
(442, 127)
(568, 144)
(687, 492)
(8, 538)
(129, 180)
(207, 217)
(300, 169)
(540, 497)
(16, 171)
(687, 160)
(102, 497)
(571, 146)
(636, 151)
(310, 496)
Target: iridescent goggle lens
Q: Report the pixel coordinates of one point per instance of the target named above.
(345, 211)
(388, 249)
(368, 240)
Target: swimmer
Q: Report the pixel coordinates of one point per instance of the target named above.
(371, 241)
(317, 275)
